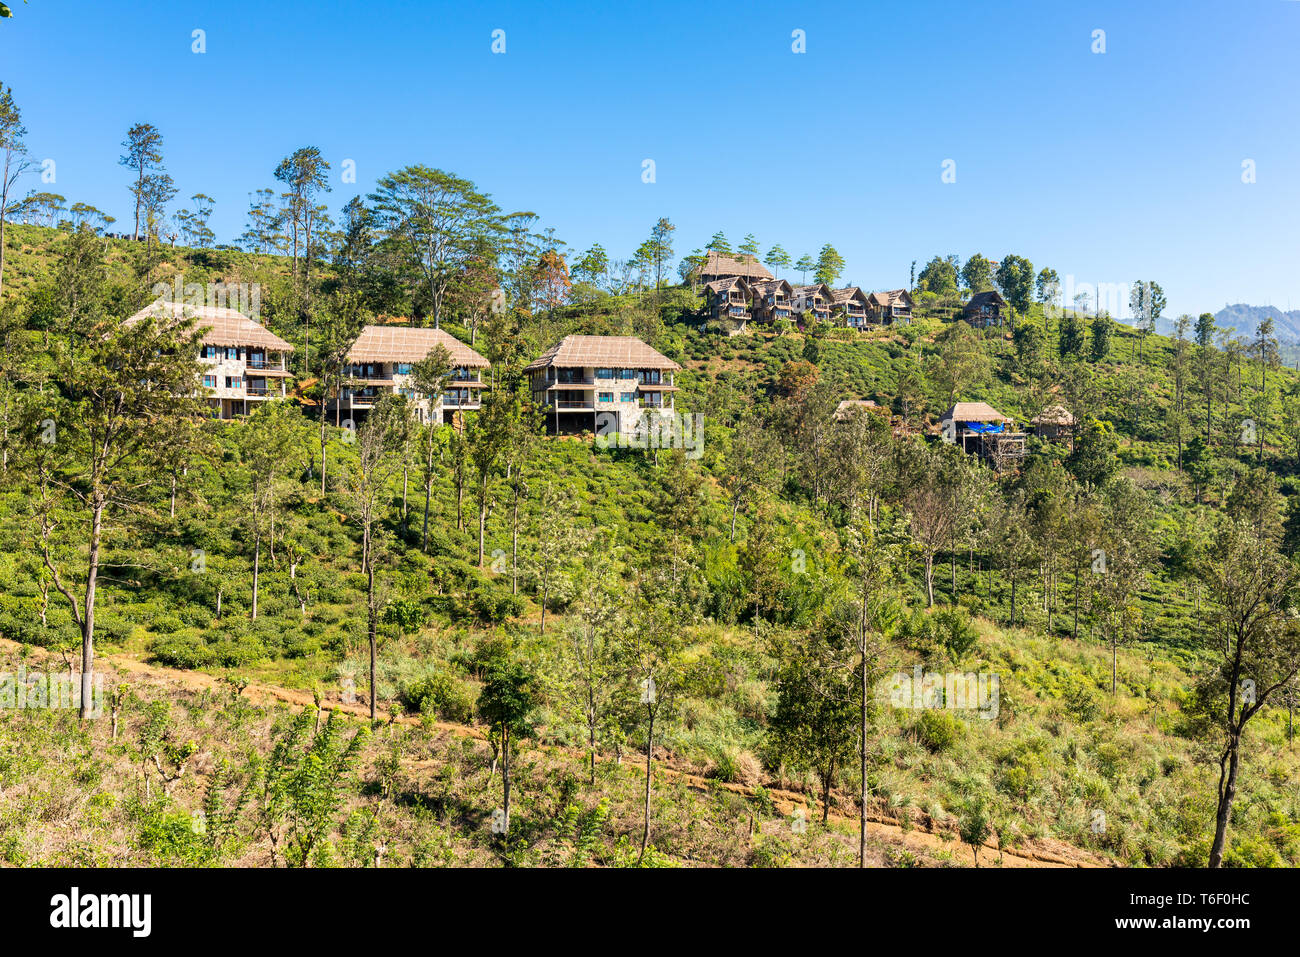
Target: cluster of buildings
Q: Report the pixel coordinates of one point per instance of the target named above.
(573, 382)
(740, 290)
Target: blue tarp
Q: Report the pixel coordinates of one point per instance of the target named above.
(983, 427)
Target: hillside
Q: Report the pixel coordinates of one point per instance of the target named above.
(602, 567)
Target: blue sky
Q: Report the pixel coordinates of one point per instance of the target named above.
(1108, 167)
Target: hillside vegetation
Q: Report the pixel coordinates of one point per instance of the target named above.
(570, 603)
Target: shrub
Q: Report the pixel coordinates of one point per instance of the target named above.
(937, 730)
(441, 694)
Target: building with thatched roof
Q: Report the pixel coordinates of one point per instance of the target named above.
(717, 266)
(982, 430)
(382, 359)
(850, 306)
(771, 299)
(985, 309)
(890, 306)
(814, 298)
(601, 382)
(1054, 422)
(244, 363)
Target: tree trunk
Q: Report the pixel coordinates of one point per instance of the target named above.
(649, 758)
(1227, 794)
(257, 559)
(88, 615)
(372, 631)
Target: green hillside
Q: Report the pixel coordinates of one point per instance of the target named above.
(605, 567)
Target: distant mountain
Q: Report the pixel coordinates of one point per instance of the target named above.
(1245, 319)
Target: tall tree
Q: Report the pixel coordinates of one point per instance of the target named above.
(830, 264)
(1256, 644)
(143, 156)
(365, 484)
(977, 274)
(777, 258)
(14, 153)
(98, 448)
(305, 174)
(439, 220)
(1015, 277)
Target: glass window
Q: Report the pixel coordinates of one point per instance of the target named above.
(604, 373)
(607, 397)
(210, 381)
(628, 397)
(403, 368)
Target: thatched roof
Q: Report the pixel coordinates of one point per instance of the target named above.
(891, 296)
(839, 296)
(226, 327)
(405, 344)
(746, 267)
(1054, 415)
(811, 290)
(601, 352)
(989, 297)
(770, 286)
(973, 412)
(719, 286)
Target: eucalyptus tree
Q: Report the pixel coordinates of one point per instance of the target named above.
(305, 173)
(1254, 637)
(430, 376)
(339, 320)
(97, 451)
(265, 442)
(439, 220)
(365, 484)
(143, 156)
(15, 163)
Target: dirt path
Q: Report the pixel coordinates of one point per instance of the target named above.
(919, 837)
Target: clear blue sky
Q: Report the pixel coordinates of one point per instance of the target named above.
(1111, 167)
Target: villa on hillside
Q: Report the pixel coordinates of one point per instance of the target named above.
(985, 309)
(1054, 423)
(979, 429)
(243, 362)
(581, 377)
(814, 298)
(771, 300)
(381, 361)
(850, 305)
(729, 299)
(886, 308)
(716, 266)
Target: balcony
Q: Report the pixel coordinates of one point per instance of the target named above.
(260, 362)
(571, 405)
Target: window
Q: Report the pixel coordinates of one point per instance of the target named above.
(628, 397)
(232, 352)
(607, 397)
(234, 382)
(403, 368)
(209, 352)
(209, 382)
(628, 374)
(604, 373)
